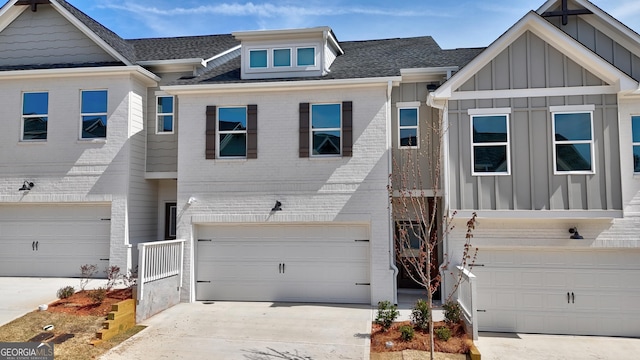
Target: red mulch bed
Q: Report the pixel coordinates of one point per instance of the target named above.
(458, 343)
(81, 304)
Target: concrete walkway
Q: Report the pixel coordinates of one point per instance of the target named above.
(19, 296)
(252, 331)
(499, 346)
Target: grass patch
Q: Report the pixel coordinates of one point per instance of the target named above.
(84, 329)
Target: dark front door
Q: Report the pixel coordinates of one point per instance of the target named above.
(170, 213)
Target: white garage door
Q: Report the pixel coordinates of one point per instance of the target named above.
(53, 240)
(592, 292)
(299, 263)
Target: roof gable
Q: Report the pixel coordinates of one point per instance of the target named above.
(554, 37)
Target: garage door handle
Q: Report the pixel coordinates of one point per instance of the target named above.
(573, 298)
(280, 268)
(33, 246)
(36, 246)
(568, 298)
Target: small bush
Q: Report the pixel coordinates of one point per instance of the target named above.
(420, 315)
(130, 279)
(443, 333)
(113, 275)
(87, 271)
(406, 333)
(387, 314)
(452, 312)
(65, 292)
(98, 295)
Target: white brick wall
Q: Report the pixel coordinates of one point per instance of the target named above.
(349, 190)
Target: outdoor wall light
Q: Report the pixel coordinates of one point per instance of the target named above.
(574, 234)
(277, 207)
(191, 200)
(26, 186)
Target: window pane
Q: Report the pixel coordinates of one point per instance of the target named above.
(488, 159)
(165, 123)
(232, 119)
(306, 57)
(94, 101)
(573, 127)
(408, 117)
(165, 105)
(325, 116)
(408, 137)
(488, 129)
(282, 57)
(35, 128)
(573, 157)
(233, 145)
(258, 58)
(94, 127)
(635, 125)
(35, 104)
(326, 143)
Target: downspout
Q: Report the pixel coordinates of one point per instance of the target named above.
(392, 260)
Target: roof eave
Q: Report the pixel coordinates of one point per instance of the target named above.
(149, 78)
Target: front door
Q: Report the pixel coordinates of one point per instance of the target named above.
(410, 238)
(170, 213)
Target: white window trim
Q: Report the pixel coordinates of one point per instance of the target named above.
(579, 109)
(634, 144)
(506, 112)
(262, 67)
(82, 139)
(173, 116)
(315, 65)
(271, 68)
(404, 106)
(311, 131)
(219, 132)
(24, 117)
(273, 58)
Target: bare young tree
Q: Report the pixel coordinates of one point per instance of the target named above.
(417, 207)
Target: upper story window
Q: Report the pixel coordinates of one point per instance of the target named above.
(35, 110)
(573, 142)
(326, 129)
(164, 114)
(408, 128)
(635, 126)
(281, 57)
(258, 59)
(306, 56)
(490, 154)
(94, 114)
(232, 132)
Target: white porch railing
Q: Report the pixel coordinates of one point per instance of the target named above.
(159, 260)
(466, 295)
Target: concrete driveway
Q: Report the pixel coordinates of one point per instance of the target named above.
(19, 296)
(252, 331)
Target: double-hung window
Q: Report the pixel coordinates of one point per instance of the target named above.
(35, 110)
(408, 129)
(164, 114)
(326, 129)
(573, 141)
(635, 128)
(232, 132)
(490, 154)
(94, 114)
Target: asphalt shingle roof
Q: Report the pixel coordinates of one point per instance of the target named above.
(201, 47)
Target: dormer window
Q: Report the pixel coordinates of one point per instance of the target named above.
(306, 56)
(258, 59)
(281, 57)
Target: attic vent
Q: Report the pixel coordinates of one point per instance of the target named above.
(33, 3)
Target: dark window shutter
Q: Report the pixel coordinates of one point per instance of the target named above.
(252, 132)
(210, 147)
(347, 128)
(304, 130)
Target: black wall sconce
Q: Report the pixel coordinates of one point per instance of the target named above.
(26, 186)
(277, 206)
(574, 234)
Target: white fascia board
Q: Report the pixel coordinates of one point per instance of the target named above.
(554, 37)
(541, 214)
(444, 70)
(9, 13)
(334, 41)
(189, 62)
(149, 77)
(85, 30)
(279, 34)
(279, 85)
(222, 54)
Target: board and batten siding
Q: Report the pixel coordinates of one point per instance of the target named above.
(531, 185)
(602, 44)
(46, 37)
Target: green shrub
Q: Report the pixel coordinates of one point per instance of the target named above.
(98, 295)
(452, 312)
(65, 292)
(420, 315)
(387, 314)
(406, 333)
(443, 333)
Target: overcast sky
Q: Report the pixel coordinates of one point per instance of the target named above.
(464, 23)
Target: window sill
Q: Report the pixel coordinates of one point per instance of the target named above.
(32, 142)
(92, 141)
(491, 174)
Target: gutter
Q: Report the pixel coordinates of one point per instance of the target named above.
(392, 264)
(81, 71)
